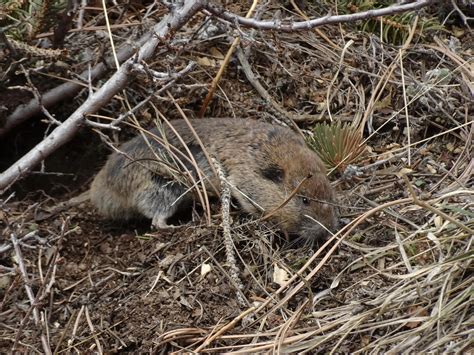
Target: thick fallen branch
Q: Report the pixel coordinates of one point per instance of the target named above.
(63, 133)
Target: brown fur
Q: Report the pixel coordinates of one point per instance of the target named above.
(262, 161)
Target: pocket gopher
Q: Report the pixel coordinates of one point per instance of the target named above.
(264, 164)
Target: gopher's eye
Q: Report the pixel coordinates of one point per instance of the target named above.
(305, 200)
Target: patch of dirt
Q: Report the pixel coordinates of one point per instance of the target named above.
(139, 285)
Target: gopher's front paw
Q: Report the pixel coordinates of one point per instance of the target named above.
(159, 222)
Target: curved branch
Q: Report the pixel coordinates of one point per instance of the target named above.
(289, 26)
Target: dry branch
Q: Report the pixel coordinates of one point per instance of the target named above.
(289, 26)
(226, 226)
(252, 78)
(31, 296)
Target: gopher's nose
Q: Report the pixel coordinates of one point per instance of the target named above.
(315, 229)
(314, 232)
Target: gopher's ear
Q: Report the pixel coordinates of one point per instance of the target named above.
(273, 173)
(277, 136)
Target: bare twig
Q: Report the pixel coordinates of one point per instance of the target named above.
(172, 80)
(465, 19)
(32, 88)
(226, 226)
(29, 292)
(24, 273)
(224, 64)
(251, 77)
(289, 26)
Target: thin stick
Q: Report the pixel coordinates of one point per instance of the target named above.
(223, 67)
(227, 234)
(285, 202)
(29, 291)
(109, 31)
(289, 26)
